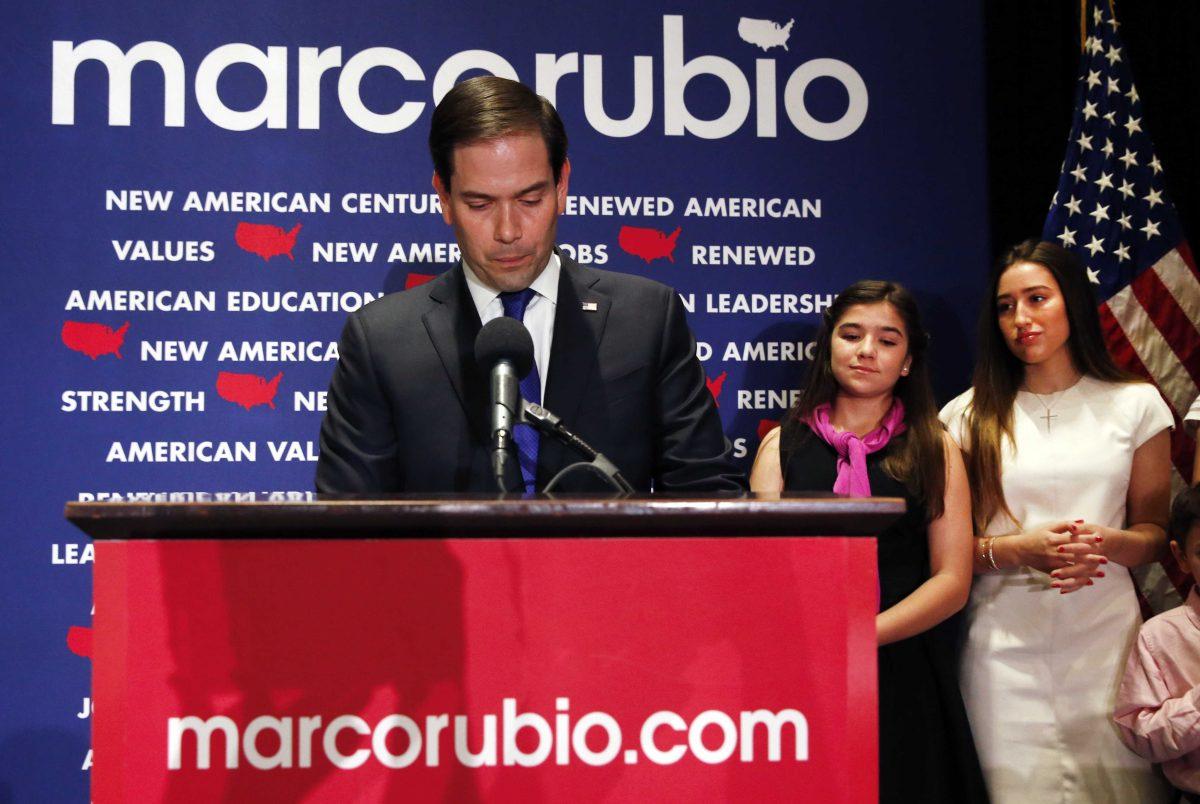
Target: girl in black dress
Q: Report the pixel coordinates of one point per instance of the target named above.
(866, 425)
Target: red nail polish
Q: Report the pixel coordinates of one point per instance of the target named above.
(1099, 575)
(1062, 549)
(1056, 586)
(1099, 539)
(1104, 561)
(1078, 521)
(1090, 582)
(1062, 591)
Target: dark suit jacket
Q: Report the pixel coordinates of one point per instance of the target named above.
(408, 407)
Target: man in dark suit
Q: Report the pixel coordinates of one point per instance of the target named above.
(614, 358)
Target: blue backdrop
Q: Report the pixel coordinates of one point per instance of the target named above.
(855, 130)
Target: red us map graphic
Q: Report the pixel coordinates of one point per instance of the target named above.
(79, 641)
(649, 244)
(265, 240)
(414, 279)
(715, 385)
(248, 390)
(94, 339)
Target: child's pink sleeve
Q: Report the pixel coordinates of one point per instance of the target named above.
(1151, 722)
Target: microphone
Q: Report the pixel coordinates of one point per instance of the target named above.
(549, 424)
(505, 349)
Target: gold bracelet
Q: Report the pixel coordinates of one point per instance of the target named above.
(991, 557)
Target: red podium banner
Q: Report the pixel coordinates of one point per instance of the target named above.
(635, 669)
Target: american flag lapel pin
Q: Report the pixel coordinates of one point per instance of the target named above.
(590, 307)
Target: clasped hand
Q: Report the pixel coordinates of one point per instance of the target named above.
(1070, 552)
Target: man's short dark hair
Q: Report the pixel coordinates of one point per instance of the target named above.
(486, 108)
(1185, 513)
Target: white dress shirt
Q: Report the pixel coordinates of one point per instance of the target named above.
(539, 315)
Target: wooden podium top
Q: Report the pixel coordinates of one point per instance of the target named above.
(489, 516)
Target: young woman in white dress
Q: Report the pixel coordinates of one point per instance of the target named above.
(1191, 421)
(1068, 459)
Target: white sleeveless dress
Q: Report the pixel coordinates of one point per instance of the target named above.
(1040, 669)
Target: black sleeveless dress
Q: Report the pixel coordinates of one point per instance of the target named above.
(926, 753)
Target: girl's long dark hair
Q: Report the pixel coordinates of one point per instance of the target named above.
(917, 458)
(999, 374)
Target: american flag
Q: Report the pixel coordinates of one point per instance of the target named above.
(1112, 210)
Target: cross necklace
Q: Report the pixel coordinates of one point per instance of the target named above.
(1048, 407)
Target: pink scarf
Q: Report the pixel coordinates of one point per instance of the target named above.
(852, 451)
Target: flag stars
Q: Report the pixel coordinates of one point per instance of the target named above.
(1085, 142)
(1093, 78)
(1095, 46)
(1105, 181)
(1130, 158)
(1111, 117)
(1153, 198)
(1151, 229)
(1126, 189)
(1132, 94)
(1108, 146)
(1067, 237)
(1125, 222)
(1080, 173)
(1093, 276)
(1113, 22)
(1074, 206)
(1122, 252)
(1134, 124)
(1113, 55)
(1089, 110)
(1155, 165)
(1097, 16)
(1100, 213)
(1096, 245)
(1113, 85)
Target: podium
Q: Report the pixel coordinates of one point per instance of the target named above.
(482, 649)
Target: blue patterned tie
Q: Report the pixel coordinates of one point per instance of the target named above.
(525, 437)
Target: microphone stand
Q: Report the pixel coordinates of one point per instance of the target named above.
(504, 387)
(549, 424)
